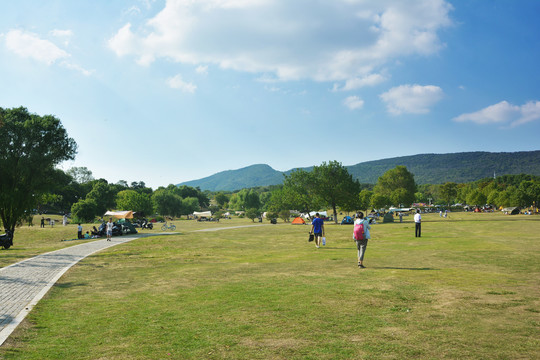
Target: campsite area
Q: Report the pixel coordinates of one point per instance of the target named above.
(469, 288)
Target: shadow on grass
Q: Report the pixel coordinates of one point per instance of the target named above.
(403, 268)
(69, 285)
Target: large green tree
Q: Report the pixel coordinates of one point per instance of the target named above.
(299, 192)
(449, 192)
(30, 147)
(336, 187)
(399, 179)
(134, 201)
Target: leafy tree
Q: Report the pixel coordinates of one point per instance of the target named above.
(84, 210)
(189, 205)
(80, 175)
(449, 192)
(271, 215)
(30, 147)
(400, 197)
(187, 191)
(335, 186)
(508, 197)
(364, 199)
(299, 191)
(529, 192)
(463, 192)
(379, 201)
(252, 214)
(104, 196)
(245, 199)
(285, 215)
(397, 178)
(132, 200)
(476, 197)
(222, 199)
(167, 203)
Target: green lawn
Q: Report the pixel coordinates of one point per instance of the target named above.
(469, 288)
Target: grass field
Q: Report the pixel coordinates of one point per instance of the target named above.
(468, 289)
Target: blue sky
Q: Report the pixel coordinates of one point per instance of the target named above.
(170, 91)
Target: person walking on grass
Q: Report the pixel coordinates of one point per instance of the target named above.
(79, 231)
(317, 229)
(361, 236)
(417, 224)
(109, 229)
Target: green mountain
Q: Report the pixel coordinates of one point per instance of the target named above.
(251, 176)
(427, 169)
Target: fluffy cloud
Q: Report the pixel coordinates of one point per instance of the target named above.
(177, 82)
(335, 40)
(357, 82)
(29, 45)
(353, 102)
(412, 99)
(504, 113)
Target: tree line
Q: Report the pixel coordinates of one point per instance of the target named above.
(32, 147)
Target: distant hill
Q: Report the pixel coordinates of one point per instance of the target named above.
(427, 169)
(251, 176)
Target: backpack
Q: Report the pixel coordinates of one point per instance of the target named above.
(359, 233)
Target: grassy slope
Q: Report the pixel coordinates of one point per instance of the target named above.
(469, 288)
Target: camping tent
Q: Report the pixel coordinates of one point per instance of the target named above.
(203, 214)
(511, 210)
(388, 217)
(120, 214)
(347, 220)
(298, 221)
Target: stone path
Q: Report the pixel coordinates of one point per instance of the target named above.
(23, 284)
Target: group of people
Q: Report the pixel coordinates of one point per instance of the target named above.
(361, 233)
(108, 229)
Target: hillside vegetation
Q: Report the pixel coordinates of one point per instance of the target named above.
(427, 169)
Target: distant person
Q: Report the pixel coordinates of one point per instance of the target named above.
(109, 230)
(64, 220)
(42, 222)
(79, 231)
(400, 217)
(317, 229)
(87, 235)
(361, 236)
(52, 222)
(417, 224)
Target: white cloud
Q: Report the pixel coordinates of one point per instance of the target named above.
(504, 113)
(340, 41)
(359, 82)
(64, 35)
(30, 45)
(202, 69)
(353, 102)
(177, 82)
(411, 99)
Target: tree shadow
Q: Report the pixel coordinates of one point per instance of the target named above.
(404, 268)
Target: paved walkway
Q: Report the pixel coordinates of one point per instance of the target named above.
(23, 284)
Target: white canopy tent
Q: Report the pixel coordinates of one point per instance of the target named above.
(202, 213)
(120, 214)
(312, 214)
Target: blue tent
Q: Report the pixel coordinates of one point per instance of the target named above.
(347, 220)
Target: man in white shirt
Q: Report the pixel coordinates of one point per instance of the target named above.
(418, 224)
(109, 229)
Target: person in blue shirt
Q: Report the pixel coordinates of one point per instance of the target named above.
(317, 229)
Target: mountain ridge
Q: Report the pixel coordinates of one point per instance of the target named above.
(427, 169)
